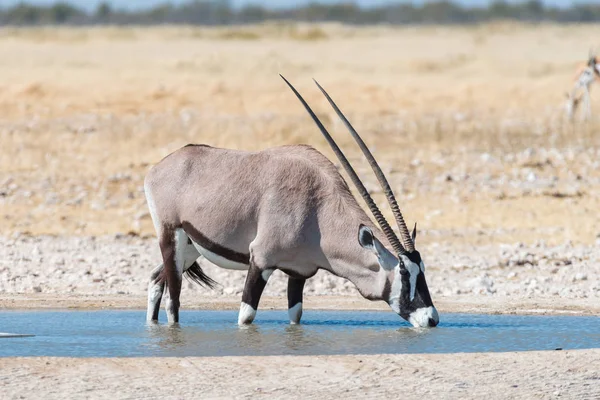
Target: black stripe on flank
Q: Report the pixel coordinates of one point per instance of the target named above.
(215, 248)
(196, 145)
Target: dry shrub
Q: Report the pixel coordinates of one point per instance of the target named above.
(75, 142)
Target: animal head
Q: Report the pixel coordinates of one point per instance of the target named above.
(408, 295)
(407, 292)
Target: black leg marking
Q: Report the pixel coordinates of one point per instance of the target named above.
(294, 293)
(256, 280)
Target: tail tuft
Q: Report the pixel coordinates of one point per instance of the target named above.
(195, 274)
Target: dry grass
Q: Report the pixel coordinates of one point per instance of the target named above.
(86, 111)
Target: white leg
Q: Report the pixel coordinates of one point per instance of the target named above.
(156, 287)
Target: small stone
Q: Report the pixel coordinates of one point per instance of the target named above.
(580, 277)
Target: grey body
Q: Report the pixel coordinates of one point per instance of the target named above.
(280, 205)
(285, 208)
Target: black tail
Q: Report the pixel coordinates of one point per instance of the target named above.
(195, 274)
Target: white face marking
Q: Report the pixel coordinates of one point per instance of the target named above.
(413, 270)
(246, 315)
(295, 313)
(420, 317)
(266, 274)
(218, 260)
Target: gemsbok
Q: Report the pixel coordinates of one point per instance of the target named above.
(585, 75)
(285, 208)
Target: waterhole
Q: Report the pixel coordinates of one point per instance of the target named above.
(215, 333)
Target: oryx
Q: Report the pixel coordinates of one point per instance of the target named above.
(285, 208)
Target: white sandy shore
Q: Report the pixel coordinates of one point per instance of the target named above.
(525, 375)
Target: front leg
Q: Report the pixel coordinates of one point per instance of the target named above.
(294, 293)
(256, 280)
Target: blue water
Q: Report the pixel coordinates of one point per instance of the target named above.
(215, 333)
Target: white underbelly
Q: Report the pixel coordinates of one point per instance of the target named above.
(218, 260)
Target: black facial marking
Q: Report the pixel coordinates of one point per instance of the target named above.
(422, 297)
(414, 256)
(213, 247)
(387, 289)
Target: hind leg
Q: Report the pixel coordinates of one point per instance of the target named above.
(178, 255)
(156, 287)
(294, 293)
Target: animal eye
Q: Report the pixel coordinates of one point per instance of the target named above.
(403, 271)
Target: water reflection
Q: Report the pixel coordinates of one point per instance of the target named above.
(216, 337)
(165, 337)
(216, 333)
(296, 338)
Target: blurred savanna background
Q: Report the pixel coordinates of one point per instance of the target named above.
(462, 103)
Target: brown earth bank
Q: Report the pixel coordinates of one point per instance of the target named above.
(573, 374)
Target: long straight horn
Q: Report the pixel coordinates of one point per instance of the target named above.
(389, 194)
(385, 227)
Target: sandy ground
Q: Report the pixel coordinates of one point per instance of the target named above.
(528, 375)
(110, 272)
(471, 135)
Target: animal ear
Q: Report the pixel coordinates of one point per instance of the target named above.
(414, 233)
(365, 237)
(367, 240)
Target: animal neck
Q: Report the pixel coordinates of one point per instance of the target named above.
(347, 259)
(372, 285)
